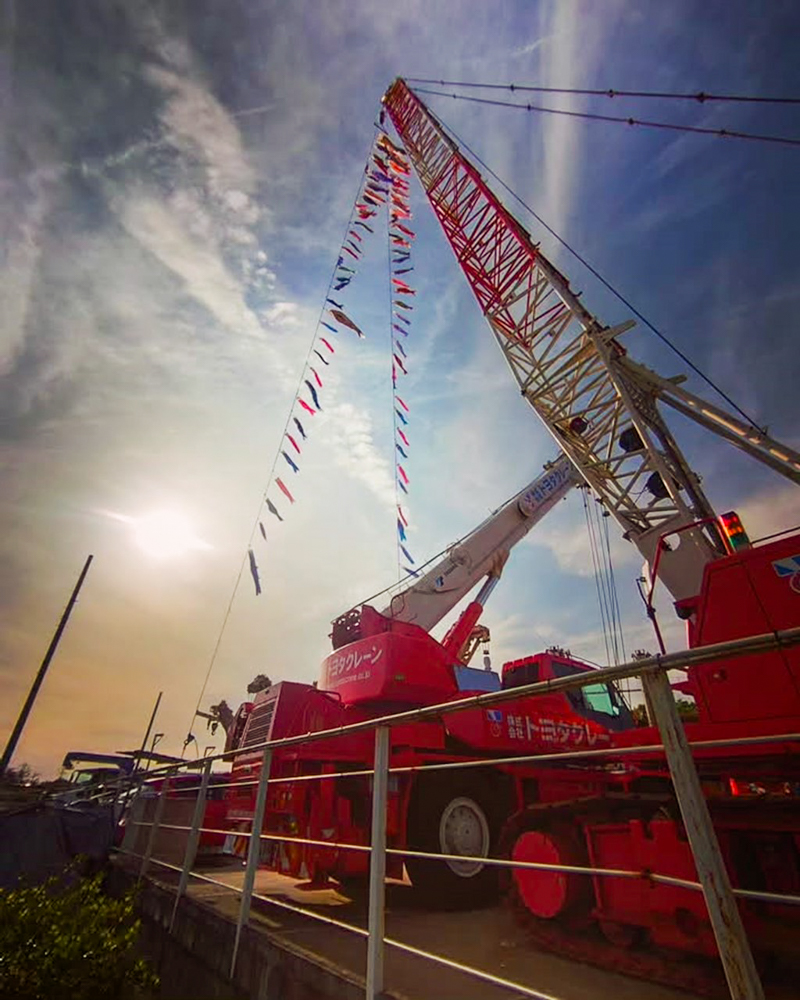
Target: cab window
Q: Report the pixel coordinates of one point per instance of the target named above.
(599, 699)
(601, 703)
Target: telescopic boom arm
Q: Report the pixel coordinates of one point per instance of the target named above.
(483, 552)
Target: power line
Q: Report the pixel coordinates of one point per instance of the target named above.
(699, 97)
(670, 126)
(603, 281)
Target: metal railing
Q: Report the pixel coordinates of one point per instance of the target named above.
(713, 880)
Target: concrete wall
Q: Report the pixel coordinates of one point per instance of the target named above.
(194, 960)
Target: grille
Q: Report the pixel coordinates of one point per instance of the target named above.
(258, 725)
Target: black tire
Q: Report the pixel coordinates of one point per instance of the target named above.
(442, 812)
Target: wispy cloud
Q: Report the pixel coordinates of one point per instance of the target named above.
(530, 47)
(351, 436)
(568, 539)
(198, 124)
(23, 250)
(777, 505)
(569, 60)
(193, 257)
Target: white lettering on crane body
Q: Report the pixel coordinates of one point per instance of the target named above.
(523, 727)
(544, 489)
(346, 663)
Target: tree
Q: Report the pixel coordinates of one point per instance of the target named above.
(687, 710)
(67, 940)
(23, 774)
(259, 683)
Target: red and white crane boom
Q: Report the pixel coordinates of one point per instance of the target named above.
(599, 406)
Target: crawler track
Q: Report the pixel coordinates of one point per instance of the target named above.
(578, 935)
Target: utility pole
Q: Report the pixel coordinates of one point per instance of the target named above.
(11, 746)
(138, 763)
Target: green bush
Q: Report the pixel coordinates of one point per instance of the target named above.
(68, 940)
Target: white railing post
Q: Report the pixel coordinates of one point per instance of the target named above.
(253, 853)
(129, 810)
(193, 839)
(151, 840)
(377, 867)
(734, 949)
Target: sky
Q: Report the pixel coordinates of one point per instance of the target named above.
(175, 181)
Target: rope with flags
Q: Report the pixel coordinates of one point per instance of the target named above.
(389, 175)
(383, 184)
(334, 321)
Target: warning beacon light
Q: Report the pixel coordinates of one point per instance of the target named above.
(734, 531)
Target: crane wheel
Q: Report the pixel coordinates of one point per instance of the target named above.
(545, 893)
(455, 817)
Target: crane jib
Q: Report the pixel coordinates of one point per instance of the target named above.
(600, 408)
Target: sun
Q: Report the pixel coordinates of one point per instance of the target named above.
(162, 534)
(165, 534)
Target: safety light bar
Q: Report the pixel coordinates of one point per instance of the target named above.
(734, 531)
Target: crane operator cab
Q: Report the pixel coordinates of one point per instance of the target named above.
(598, 703)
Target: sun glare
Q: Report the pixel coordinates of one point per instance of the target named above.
(166, 534)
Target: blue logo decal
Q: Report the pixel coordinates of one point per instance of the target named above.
(787, 567)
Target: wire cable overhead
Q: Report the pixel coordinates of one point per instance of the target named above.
(699, 97)
(619, 119)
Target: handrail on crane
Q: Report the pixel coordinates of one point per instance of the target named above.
(652, 572)
(663, 547)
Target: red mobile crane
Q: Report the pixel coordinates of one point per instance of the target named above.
(385, 661)
(602, 408)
